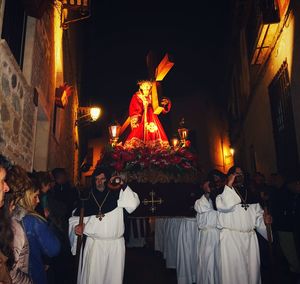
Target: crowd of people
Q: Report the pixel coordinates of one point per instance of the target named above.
(34, 212)
(42, 217)
(248, 228)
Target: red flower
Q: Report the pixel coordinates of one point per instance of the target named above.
(186, 165)
(182, 151)
(116, 155)
(190, 156)
(119, 166)
(127, 156)
(175, 160)
(145, 162)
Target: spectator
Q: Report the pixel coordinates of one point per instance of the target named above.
(6, 232)
(61, 201)
(63, 191)
(20, 271)
(43, 181)
(42, 240)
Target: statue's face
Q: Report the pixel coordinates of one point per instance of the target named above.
(145, 87)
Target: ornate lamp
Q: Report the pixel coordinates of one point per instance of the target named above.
(73, 11)
(183, 132)
(88, 113)
(114, 133)
(175, 142)
(95, 113)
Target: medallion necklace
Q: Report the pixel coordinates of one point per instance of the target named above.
(244, 200)
(100, 215)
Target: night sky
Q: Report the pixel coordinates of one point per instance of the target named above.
(118, 36)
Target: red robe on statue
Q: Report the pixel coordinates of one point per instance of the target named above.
(146, 129)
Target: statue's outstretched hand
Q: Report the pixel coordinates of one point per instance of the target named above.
(164, 102)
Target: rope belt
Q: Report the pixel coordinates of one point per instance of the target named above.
(207, 228)
(240, 231)
(104, 239)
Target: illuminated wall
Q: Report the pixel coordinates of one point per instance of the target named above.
(208, 129)
(58, 34)
(257, 141)
(97, 146)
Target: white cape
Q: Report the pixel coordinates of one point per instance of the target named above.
(208, 250)
(238, 241)
(102, 260)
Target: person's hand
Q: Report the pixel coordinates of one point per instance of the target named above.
(267, 218)
(164, 102)
(230, 180)
(206, 188)
(79, 229)
(116, 180)
(115, 183)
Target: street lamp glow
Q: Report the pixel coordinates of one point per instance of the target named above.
(95, 113)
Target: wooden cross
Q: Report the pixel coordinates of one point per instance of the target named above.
(152, 201)
(156, 75)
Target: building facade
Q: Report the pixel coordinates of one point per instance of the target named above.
(263, 86)
(35, 132)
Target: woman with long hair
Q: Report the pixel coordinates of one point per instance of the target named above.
(19, 272)
(42, 241)
(18, 185)
(6, 249)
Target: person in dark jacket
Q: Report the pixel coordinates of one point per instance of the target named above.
(42, 240)
(63, 191)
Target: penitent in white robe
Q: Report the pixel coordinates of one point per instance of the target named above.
(238, 241)
(103, 258)
(208, 250)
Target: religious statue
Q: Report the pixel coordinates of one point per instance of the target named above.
(146, 129)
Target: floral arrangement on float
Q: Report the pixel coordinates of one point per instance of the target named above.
(154, 165)
(152, 162)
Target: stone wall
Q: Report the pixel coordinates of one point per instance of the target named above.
(17, 111)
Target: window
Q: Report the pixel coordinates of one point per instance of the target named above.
(252, 27)
(283, 121)
(14, 28)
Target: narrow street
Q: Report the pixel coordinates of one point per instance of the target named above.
(144, 265)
